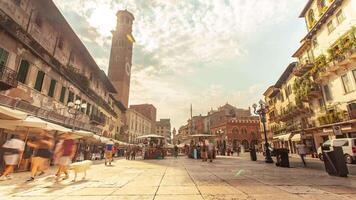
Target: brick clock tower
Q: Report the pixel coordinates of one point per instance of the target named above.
(121, 56)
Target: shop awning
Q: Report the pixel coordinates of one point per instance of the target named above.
(83, 133)
(296, 137)
(7, 113)
(284, 137)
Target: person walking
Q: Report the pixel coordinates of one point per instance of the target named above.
(43, 153)
(13, 149)
(65, 152)
(128, 152)
(175, 151)
(109, 148)
(302, 151)
(133, 153)
(211, 151)
(238, 150)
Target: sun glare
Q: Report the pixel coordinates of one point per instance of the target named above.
(103, 19)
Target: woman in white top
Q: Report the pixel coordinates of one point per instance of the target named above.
(13, 149)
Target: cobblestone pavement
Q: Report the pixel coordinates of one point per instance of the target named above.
(226, 178)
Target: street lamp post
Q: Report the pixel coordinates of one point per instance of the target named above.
(75, 109)
(261, 111)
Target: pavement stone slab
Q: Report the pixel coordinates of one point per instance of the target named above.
(93, 192)
(174, 190)
(134, 190)
(178, 197)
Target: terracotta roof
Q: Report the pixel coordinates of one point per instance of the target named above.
(305, 9)
(285, 74)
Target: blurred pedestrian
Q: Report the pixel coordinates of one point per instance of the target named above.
(302, 151)
(65, 151)
(12, 149)
(42, 154)
(175, 151)
(109, 147)
(238, 150)
(128, 152)
(133, 153)
(211, 151)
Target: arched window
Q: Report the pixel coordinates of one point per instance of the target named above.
(235, 131)
(311, 18)
(322, 6)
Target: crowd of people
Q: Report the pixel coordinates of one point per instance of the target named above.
(44, 150)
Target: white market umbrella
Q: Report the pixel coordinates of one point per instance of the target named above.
(150, 136)
(7, 113)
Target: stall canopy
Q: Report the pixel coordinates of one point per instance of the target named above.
(32, 122)
(11, 114)
(284, 137)
(296, 137)
(202, 135)
(150, 136)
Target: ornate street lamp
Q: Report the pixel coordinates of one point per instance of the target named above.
(261, 111)
(75, 109)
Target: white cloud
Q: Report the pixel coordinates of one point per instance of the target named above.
(174, 37)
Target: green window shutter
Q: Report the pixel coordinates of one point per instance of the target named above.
(70, 97)
(3, 56)
(63, 94)
(52, 87)
(39, 81)
(23, 71)
(88, 109)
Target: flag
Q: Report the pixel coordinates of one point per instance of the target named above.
(130, 38)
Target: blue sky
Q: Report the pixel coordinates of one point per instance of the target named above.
(204, 52)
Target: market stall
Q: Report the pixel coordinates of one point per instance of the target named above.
(153, 146)
(198, 142)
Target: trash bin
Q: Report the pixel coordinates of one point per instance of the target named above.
(253, 155)
(334, 162)
(282, 157)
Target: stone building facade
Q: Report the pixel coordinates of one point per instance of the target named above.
(318, 94)
(138, 125)
(163, 128)
(44, 66)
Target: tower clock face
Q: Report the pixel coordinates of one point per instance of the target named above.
(128, 68)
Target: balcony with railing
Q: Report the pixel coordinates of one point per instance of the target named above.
(292, 112)
(302, 68)
(339, 58)
(8, 78)
(97, 119)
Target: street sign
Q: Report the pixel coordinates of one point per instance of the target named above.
(337, 130)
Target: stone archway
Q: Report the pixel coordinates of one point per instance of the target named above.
(245, 144)
(235, 143)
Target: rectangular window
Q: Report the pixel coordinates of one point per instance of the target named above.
(17, 2)
(88, 109)
(328, 95)
(39, 81)
(3, 56)
(60, 43)
(63, 94)
(70, 97)
(331, 26)
(38, 21)
(52, 88)
(23, 71)
(315, 42)
(347, 83)
(340, 17)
